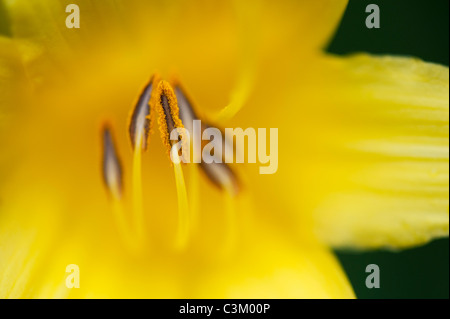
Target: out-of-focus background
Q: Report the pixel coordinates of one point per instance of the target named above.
(407, 27)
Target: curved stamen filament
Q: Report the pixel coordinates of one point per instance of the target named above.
(112, 176)
(138, 210)
(183, 207)
(194, 194)
(139, 129)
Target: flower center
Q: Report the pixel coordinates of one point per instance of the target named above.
(175, 112)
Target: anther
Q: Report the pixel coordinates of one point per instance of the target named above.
(186, 111)
(112, 170)
(167, 108)
(140, 122)
(220, 174)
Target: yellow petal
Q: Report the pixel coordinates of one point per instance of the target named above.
(34, 257)
(363, 148)
(273, 268)
(393, 188)
(42, 38)
(26, 242)
(231, 31)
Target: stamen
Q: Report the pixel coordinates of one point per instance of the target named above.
(183, 208)
(167, 108)
(138, 210)
(112, 169)
(187, 112)
(112, 176)
(139, 129)
(140, 121)
(194, 195)
(187, 116)
(219, 173)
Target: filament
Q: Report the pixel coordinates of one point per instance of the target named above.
(138, 211)
(183, 208)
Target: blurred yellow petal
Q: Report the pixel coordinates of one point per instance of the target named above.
(42, 38)
(238, 33)
(26, 242)
(393, 184)
(315, 22)
(271, 268)
(363, 151)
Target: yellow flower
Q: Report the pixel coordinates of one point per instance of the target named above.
(363, 151)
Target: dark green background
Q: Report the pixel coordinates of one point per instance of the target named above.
(421, 29)
(408, 27)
